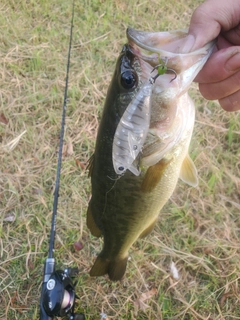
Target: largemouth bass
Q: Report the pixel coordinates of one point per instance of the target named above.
(124, 207)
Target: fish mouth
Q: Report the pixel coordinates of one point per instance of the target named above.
(153, 47)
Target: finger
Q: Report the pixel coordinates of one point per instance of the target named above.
(223, 43)
(221, 89)
(233, 36)
(231, 103)
(208, 20)
(220, 66)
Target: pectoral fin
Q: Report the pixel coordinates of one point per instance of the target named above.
(91, 224)
(153, 175)
(188, 172)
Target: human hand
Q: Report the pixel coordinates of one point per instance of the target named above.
(220, 77)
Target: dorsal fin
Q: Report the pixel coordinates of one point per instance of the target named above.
(188, 172)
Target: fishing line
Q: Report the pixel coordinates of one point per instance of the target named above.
(112, 187)
(58, 291)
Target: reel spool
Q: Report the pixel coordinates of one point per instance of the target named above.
(58, 296)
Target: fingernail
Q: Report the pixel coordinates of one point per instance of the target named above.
(187, 44)
(233, 63)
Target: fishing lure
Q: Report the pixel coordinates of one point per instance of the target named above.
(132, 130)
(133, 127)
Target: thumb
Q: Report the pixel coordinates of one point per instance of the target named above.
(210, 18)
(220, 66)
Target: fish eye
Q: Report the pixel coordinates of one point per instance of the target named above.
(128, 79)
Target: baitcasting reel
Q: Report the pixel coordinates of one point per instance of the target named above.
(58, 293)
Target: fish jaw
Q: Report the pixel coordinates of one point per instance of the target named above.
(151, 47)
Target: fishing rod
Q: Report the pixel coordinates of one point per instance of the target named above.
(58, 290)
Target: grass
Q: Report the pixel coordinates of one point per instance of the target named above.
(198, 229)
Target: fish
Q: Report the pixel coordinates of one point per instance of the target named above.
(125, 205)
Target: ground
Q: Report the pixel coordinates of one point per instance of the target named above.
(198, 229)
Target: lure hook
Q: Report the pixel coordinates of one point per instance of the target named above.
(161, 71)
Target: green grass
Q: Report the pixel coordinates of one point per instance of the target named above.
(199, 227)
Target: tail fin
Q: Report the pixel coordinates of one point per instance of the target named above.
(114, 269)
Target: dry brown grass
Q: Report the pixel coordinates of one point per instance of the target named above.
(198, 229)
